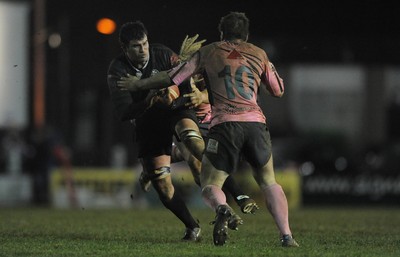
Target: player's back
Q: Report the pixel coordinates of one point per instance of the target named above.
(234, 74)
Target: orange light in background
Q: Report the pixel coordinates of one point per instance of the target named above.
(106, 26)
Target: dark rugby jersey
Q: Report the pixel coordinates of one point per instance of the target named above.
(132, 105)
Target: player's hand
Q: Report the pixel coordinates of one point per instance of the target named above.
(195, 98)
(165, 97)
(152, 97)
(160, 96)
(128, 83)
(189, 47)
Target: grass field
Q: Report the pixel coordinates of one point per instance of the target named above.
(155, 232)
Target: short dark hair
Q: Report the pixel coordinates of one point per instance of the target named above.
(131, 31)
(235, 25)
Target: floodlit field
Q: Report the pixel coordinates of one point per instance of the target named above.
(155, 232)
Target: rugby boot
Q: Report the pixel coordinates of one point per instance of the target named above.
(192, 234)
(220, 232)
(247, 205)
(288, 241)
(234, 221)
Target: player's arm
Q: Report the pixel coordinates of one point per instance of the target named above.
(132, 83)
(165, 79)
(272, 81)
(124, 105)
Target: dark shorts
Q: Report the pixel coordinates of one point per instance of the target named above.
(154, 131)
(228, 142)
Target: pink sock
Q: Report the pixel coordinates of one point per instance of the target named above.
(213, 196)
(278, 207)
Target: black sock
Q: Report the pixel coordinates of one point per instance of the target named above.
(233, 188)
(178, 207)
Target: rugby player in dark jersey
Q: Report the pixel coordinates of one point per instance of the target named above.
(154, 122)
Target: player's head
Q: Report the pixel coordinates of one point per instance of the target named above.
(134, 42)
(131, 31)
(235, 25)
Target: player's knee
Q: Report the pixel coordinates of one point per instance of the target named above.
(166, 193)
(267, 181)
(162, 185)
(160, 173)
(190, 135)
(176, 155)
(206, 191)
(265, 177)
(193, 141)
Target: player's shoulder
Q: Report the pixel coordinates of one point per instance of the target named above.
(253, 50)
(253, 47)
(214, 45)
(160, 51)
(118, 63)
(206, 49)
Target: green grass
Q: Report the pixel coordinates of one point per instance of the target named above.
(155, 232)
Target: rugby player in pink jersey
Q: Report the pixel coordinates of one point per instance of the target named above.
(198, 100)
(234, 70)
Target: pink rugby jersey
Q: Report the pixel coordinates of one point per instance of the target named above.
(233, 73)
